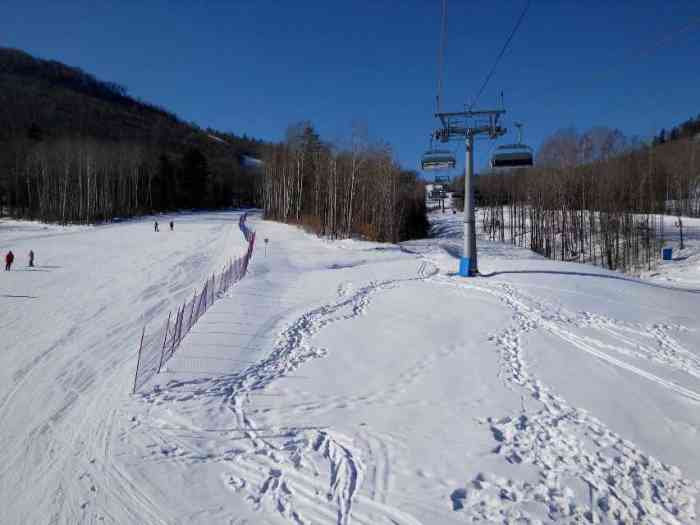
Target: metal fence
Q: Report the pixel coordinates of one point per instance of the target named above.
(157, 347)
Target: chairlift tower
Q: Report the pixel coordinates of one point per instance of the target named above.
(466, 125)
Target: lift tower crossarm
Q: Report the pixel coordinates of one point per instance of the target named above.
(470, 113)
(445, 116)
(461, 132)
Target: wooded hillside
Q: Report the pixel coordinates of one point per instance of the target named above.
(77, 149)
(342, 191)
(596, 197)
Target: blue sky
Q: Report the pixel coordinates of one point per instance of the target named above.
(254, 67)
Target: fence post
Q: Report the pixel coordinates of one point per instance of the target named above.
(165, 338)
(174, 342)
(189, 321)
(182, 319)
(199, 307)
(138, 360)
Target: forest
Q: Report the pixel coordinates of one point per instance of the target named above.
(357, 190)
(75, 149)
(596, 197)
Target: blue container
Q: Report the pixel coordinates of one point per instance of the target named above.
(667, 254)
(464, 264)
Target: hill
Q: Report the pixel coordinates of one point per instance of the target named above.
(74, 148)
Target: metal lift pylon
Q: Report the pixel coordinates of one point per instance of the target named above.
(466, 125)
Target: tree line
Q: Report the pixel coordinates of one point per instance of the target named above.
(689, 129)
(77, 149)
(86, 180)
(341, 192)
(594, 197)
(74, 148)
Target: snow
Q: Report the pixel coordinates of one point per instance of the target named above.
(684, 270)
(252, 162)
(215, 138)
(344, 382)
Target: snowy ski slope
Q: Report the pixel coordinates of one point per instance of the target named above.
(343, 382)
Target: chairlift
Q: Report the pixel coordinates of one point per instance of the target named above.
(437, 159)
(513, 155)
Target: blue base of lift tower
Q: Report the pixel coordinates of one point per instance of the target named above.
(464, 263)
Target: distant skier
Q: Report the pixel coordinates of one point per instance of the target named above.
(9, 258)
(155, 226)
(172, 225)
(31, 258)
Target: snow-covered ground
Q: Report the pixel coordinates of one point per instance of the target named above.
(342, 382)
(684, 270)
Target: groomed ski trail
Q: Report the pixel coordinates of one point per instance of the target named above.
(276, 475)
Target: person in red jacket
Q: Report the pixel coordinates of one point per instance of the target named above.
(8, 260)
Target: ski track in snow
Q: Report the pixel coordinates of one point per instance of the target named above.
(586, 473)
(583, 472)
(286, 476)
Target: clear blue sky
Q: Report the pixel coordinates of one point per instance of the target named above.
(256, 66)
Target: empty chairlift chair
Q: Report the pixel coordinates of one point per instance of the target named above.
(437, 160)
(512, 156)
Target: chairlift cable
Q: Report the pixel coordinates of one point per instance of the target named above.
(441, 52)
(500, 55)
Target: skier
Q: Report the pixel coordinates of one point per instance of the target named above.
(8, 260)
(31, 258)
(155, 226)
(172, 225)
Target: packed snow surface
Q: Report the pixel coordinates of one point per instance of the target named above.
(343, 382)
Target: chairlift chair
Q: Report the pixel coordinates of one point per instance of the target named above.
(513, 155)
(437, 160)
